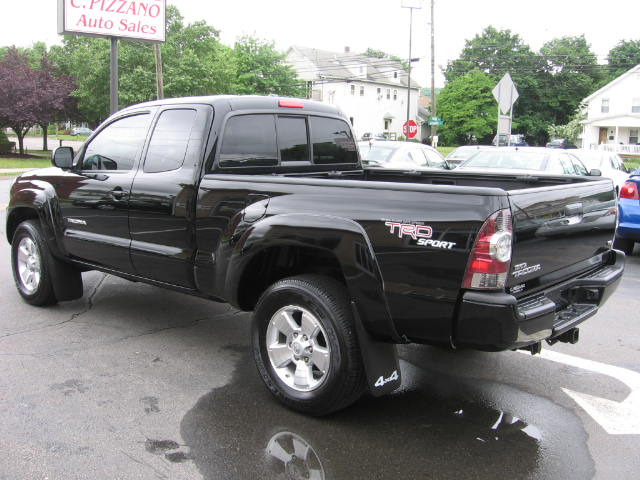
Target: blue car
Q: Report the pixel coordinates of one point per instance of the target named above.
(628, 232)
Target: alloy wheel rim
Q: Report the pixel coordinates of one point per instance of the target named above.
(29, 266)
(298, 348)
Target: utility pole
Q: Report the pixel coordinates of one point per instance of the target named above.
(410, 4)
(159, 80)
(434, 110)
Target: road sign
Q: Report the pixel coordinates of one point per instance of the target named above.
(410, 129)
(435, 121)
(505, 93)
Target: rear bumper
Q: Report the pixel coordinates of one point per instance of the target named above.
(629, 220)
(499, 321)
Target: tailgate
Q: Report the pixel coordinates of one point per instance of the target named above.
(559, 231)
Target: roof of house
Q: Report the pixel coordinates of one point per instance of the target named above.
(613, 82)
(336, 65)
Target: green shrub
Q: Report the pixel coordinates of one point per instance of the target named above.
(5, 145)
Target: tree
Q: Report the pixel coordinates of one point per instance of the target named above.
(495, 52)
(55, 91)
(572, 73)
(29, 96)
(19, 98)
(468, 109)
(260, 69)
(571, 131)
(624, 56)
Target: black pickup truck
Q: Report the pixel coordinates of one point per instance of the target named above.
(261, 202)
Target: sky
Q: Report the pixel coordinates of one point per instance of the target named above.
(380, 24)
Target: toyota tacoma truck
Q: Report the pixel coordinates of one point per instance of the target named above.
(262, 202)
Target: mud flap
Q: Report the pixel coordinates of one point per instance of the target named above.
(66, 279)
(380, 360)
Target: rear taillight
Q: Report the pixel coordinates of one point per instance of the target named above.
(629, 190)
(490, 258)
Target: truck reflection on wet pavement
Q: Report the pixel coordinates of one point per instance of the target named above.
(239, 431)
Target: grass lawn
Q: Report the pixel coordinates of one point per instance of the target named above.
(24, 162)
(446, 150)
(632, 163)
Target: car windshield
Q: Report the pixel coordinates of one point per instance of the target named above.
(512, 159)
(376, 152)
(462, 153)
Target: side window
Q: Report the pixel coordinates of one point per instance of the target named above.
(249, 141)
(433, 159)
(169, 141)
(418, 158)
(332, 141)
(117, 146)
(292, 139)
(567, 167)
(578, 166)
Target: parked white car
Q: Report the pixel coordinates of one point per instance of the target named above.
(401, 156)
(609, 163)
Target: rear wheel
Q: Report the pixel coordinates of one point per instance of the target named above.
(30, 262)
(624, 244)
(305, 345)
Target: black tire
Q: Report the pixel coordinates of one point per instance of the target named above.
(624, 244)
(343, 382)
(42, 293)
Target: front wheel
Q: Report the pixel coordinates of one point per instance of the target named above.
(30, 263)
(305, 344)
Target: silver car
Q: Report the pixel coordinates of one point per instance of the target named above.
(526, 160)
(460, 154)
(401, 156)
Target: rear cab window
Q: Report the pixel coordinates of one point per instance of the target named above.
(276, 141)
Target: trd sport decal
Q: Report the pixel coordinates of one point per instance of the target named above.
(421, 233)
(414, 231)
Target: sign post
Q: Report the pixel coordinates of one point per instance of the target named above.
(143, 21)
(506, 94)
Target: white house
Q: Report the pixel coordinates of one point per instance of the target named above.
(613, 115)
(372, 92)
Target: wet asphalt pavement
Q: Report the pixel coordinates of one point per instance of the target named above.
(135, 382)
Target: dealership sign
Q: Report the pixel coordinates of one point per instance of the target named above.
(138, 20)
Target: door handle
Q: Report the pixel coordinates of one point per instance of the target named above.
(118, 194)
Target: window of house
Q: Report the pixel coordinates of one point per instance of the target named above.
(604, 106)
(332, 141)
(362, 91)
(635, 105)
(117, 146)
(388, 93)
(387, 124)
(292, 139)
(249, 141)
(395, 74)
(379, 92)
(395, 94)
(353, 89)
(633, 136)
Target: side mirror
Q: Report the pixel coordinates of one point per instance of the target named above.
(594, 172)
(63, 157)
